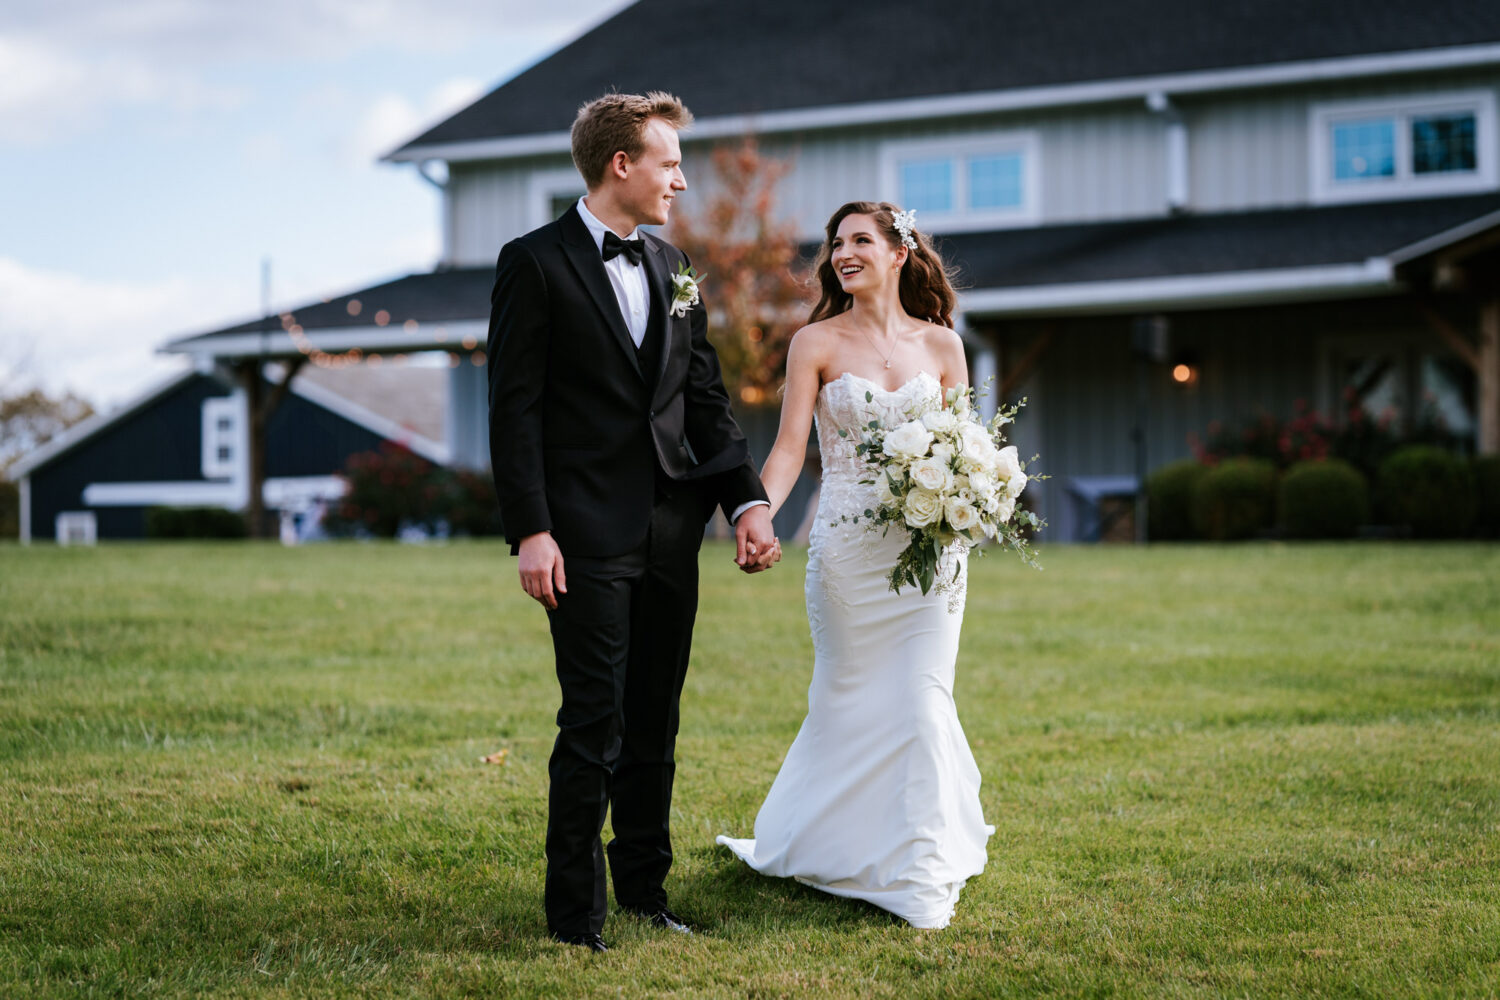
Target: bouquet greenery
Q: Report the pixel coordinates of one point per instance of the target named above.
(947, 478)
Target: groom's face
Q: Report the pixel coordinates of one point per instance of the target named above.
(653, 180)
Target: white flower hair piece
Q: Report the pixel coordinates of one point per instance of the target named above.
(905, 223)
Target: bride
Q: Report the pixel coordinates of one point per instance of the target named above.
(878, 798)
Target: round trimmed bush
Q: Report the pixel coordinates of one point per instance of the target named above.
(1169, 500)
(1235, 499)
(1429, 490)
(1324, 499)
(1487, 478)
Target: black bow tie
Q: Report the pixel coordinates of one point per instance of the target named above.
(614, 246)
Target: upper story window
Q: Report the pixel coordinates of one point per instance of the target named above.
(221, 436)
(971, 183)
(1441, 144)
(552, 193)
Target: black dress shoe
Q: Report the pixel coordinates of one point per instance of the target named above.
(661, 917)
(592, 942)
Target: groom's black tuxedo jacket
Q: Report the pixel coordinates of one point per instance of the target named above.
(582, 422)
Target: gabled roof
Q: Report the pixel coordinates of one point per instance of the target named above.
(1208, 260)
(737, 60)
(435, 310)
(1178, 261)
(319, 395)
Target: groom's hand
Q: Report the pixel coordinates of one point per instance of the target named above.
(541, 561)
(755, 545)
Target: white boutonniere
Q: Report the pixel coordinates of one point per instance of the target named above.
(685, 289)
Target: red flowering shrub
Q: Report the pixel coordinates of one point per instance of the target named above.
(393, 488)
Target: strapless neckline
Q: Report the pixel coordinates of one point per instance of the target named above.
(877, 386)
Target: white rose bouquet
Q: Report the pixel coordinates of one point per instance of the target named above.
(946, 478)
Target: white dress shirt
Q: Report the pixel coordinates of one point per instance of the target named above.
(634, 297)
(627, 279)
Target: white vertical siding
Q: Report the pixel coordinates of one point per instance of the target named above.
(1251, 150)
(488, 204)
(1245, 151)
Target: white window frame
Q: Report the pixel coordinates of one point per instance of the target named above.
(1323, 116)
(544, 185)
(961, 149)
(84, 519)
(215, 408)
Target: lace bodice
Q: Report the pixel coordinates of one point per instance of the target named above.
(842, 405)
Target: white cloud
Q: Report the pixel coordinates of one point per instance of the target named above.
(390, 119)
(198, 33)
(98, 338)
(67, 64)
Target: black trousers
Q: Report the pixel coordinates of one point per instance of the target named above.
(621, 635)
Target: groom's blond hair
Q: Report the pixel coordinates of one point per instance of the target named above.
(616, 123)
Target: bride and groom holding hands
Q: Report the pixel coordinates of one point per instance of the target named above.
(612, 441)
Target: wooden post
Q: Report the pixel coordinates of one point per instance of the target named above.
(260, 407)
(1488, 372)
(255, 510)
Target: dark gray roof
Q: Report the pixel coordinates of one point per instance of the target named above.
(443, 296)
(1204, 244)
(771, 55)
(1010, 258)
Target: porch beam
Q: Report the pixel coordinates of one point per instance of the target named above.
(1488, 370)
(1455, 340)
(1018, 373)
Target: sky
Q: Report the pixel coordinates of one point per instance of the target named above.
(153, 153)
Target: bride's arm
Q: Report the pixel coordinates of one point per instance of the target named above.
(785, 461)
(955, 366)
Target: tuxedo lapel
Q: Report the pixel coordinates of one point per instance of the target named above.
(661, 326)
(589, 266)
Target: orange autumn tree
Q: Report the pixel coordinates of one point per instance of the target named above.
(754, 285)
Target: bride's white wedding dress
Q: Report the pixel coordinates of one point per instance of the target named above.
(878, 798)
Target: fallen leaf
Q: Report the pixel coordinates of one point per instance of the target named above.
(498, 757)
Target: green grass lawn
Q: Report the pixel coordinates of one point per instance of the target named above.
(240, 770)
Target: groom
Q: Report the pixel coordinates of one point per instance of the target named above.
(611, 440)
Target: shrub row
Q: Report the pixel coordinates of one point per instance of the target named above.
(195, 522)
(393, 488)
(1421, 489)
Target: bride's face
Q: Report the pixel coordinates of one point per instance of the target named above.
(862, 258)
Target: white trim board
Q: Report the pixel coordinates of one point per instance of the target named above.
(981, 102)
(24, 488)
(1446, 238)
(230, 495)
(368, 419)
(334, 340)
(1373, 277)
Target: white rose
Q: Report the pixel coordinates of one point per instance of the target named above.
(884, 496)
(931, 474)
(977, 446)
(1015, 484)
(942, 450)
(961, 516)
(1004, 509)
(910, 440)
(983, 484)
(1008, 463)
(922, 508)
(939, 421)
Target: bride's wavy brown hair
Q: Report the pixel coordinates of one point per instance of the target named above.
(926, 285)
